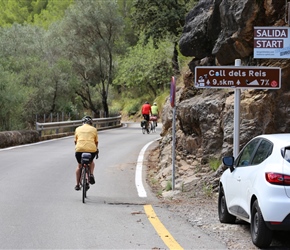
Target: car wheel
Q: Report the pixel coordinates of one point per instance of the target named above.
(260, 233)
(224, 215)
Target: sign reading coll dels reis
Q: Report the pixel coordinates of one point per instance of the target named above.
(238, 77)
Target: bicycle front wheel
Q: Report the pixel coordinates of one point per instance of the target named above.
(149, 129)
(84, 183)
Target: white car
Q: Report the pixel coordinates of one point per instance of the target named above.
(256, 187)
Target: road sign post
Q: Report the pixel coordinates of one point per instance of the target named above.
(237, 78)
(172, 103)
(237, 104)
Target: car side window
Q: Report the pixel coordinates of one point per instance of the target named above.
(247, 152)
(287, 154)
(263, 151)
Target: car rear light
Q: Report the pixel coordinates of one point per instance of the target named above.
(275, 222)
(278, 179)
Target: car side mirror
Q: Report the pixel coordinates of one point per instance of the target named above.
(229, 162)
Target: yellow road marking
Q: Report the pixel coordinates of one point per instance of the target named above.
(167, 238)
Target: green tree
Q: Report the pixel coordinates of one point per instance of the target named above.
(19, 46)
(53, 11)
(160, 19)
(125, 7)
(34, 56)
(91, 33)
(144, 69)
(19, 11)
(12, 97)
(40, 12)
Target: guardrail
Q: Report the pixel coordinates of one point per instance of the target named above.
(99, 123)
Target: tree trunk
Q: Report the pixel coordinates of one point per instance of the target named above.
(105, 103)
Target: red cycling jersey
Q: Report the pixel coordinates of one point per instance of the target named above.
(146, 109)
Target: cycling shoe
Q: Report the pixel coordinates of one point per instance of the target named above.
(92, 179)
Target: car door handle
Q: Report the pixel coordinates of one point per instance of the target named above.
(239, 179)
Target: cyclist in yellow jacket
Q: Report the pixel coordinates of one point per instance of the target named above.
(86, 141)
(155, 112)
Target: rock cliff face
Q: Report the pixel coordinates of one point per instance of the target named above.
(216, 33)
(223, 29)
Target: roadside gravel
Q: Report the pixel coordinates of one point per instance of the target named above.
(201, 211)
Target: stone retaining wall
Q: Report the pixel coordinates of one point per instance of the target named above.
(14, 138)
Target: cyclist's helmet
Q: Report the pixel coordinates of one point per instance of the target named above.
(87, 120)
(146, 102)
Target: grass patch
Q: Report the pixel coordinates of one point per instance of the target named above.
(208, 190)
(182, 187)
(214, 163)
(168, 186)
(154, 181)
(159, 193)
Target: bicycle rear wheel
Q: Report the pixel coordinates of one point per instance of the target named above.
(84, 183)
(153, 126)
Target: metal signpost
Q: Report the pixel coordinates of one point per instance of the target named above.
(172, 103)
(237, 78)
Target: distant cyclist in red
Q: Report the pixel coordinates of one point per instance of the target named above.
(146, 111)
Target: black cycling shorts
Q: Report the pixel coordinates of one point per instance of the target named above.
(146, 117)
(79, 156)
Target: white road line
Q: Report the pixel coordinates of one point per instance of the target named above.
(138, 176)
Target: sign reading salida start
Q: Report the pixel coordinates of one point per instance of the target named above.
(272, 42)
(238, 77)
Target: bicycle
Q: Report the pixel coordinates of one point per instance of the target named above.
(146, 127)
(153, 120)
(85, 172)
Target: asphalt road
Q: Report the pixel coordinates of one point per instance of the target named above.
(39, 208)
